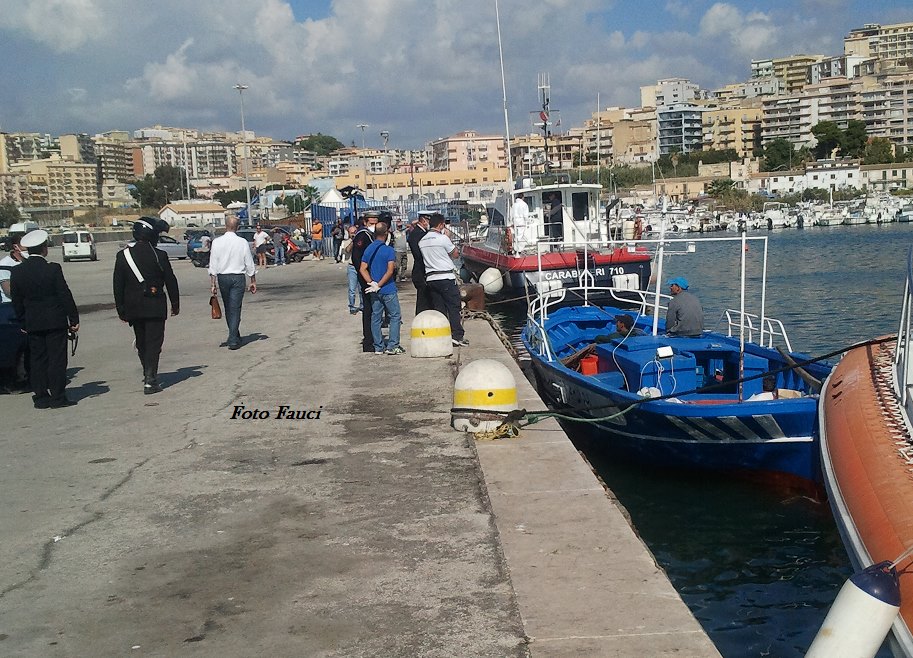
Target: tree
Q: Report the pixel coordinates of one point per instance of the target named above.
(321, 144)
(878, 151)
(225, 197)
(9, 214)
(719, 187)
(778, 154)
(854, 139)
(829, 137)
(165, 185)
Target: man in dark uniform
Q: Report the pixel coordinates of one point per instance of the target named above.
(44, 303)
(362, 239)
(142, 303)
(422, 294)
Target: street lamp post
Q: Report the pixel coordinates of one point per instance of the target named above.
(241, 89)
(362, 126)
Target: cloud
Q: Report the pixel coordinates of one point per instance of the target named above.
(62, 25)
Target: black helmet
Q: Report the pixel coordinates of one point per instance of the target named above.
(148, 229)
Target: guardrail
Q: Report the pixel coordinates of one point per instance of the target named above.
(903, 355)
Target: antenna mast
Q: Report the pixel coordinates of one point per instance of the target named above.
(510, 164)
(544, 96)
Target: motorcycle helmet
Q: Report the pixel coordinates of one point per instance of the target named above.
(147, 229)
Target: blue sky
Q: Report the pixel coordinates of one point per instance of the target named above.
(419, 69)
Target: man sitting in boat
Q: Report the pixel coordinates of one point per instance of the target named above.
(624, 327)
(520, 212)
(685, 315)
(769, 386)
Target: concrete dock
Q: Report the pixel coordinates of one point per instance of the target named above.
(161, 525)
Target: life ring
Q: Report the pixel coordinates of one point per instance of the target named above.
(508, 240)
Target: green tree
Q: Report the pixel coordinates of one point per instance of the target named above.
(878, 151)
(719, 187)
(829, 137)
(854, 139)
(9, 214)
(778, 154)
(321, 144)
(165, 185)
(226, 197)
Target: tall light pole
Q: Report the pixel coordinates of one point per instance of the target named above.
(241, 89)
(362, 126)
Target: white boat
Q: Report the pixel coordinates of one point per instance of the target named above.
(776, 215)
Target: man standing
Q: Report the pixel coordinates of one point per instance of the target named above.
(438, 253)
(8, 263)
(317, 239)
(261, 238)
(362, 239)
(685, 316)
(520, 212)
(44, 303)
(229, 262)
(142, 274)
(422, 294)
(401, 246)
(378, 266)
(346, 250)
(278, 246)
(338, 234)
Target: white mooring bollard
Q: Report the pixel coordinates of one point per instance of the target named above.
(430, 335)
(483, 385)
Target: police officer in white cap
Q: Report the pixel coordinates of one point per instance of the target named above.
(44, 304)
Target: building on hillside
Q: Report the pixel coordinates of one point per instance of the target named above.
(25, 147)
(670, 91)
(467, 150)
(769, 86)
(680, 128)
(887, 177)
(15, 189)
(66, 183)
(842, 66)
(114, 156)
(892, 44)
(193, 212)
(792, 71)
(887, 108)
(734, 126)
(77, 148)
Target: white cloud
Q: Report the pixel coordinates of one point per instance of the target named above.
(62, 25)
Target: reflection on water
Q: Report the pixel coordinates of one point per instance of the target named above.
(760, 568)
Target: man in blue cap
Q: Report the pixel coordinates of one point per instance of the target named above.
(685, 316)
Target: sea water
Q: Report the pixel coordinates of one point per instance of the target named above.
(760, 567)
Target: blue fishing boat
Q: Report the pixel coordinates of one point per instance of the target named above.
(685, 402)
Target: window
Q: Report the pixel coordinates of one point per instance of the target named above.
(580, 206)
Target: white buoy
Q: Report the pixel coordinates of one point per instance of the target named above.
(483, 385)
(627, 229)
(861, 616)
(430, 335)
(492, 280)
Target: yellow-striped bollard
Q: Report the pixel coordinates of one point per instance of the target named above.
(484, 385)
(431, 335)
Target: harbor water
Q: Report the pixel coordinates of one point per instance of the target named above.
(759, 566)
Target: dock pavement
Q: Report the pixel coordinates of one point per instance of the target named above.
(189, 523)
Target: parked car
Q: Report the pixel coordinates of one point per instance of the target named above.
(78, 244)
(174, 248)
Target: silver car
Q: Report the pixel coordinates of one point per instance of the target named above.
(174, 248)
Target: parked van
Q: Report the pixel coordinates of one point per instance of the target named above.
(78, 244)
(20, 228)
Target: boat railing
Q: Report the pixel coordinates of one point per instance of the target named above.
(903, 355)
(765, 333)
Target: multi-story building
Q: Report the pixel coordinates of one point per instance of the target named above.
(892, 45)
(114, 156)
(887, 108)
(14, 188)
(669, 91)
(67, 183)
(844, 66)
(467, 150)
(792, 71)
(769, 86)
(77, 148)
(621, 135)
(680, 128)
(24, 147)
(734, 126)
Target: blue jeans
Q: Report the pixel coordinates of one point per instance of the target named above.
(280, 254)
(232, 288)
(353, 289)
(390, 302)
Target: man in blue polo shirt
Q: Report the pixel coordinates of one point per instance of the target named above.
(378, 265)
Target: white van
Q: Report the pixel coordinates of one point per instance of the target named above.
(78, 244)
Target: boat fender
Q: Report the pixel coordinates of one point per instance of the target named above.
(430, 335)
(492, 280)
(861, 615)
(483, 385)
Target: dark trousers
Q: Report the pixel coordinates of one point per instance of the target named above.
(231, 288)
(337, 243)
(367, 337)
(422, 297)
(150, 334)
(445, 297)
(49, 364)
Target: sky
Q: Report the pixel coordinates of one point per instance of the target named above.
(419, 70)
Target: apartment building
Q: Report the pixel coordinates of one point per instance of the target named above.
(14, 188)
(769, 86)
(23, 147)
(892, 45)
(467, 150)
(66, 183)
(669, 91)
(792, 70)
(734, 126)
(114, 156)
(680, 128)
(844, 66)
(887, 108)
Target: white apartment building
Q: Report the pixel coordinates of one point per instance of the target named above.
(891, 44)
(669, 91)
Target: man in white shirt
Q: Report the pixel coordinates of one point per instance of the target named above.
(17, 255)
(261, 237)
(229, 261)
(438, 253)
(520, 213)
